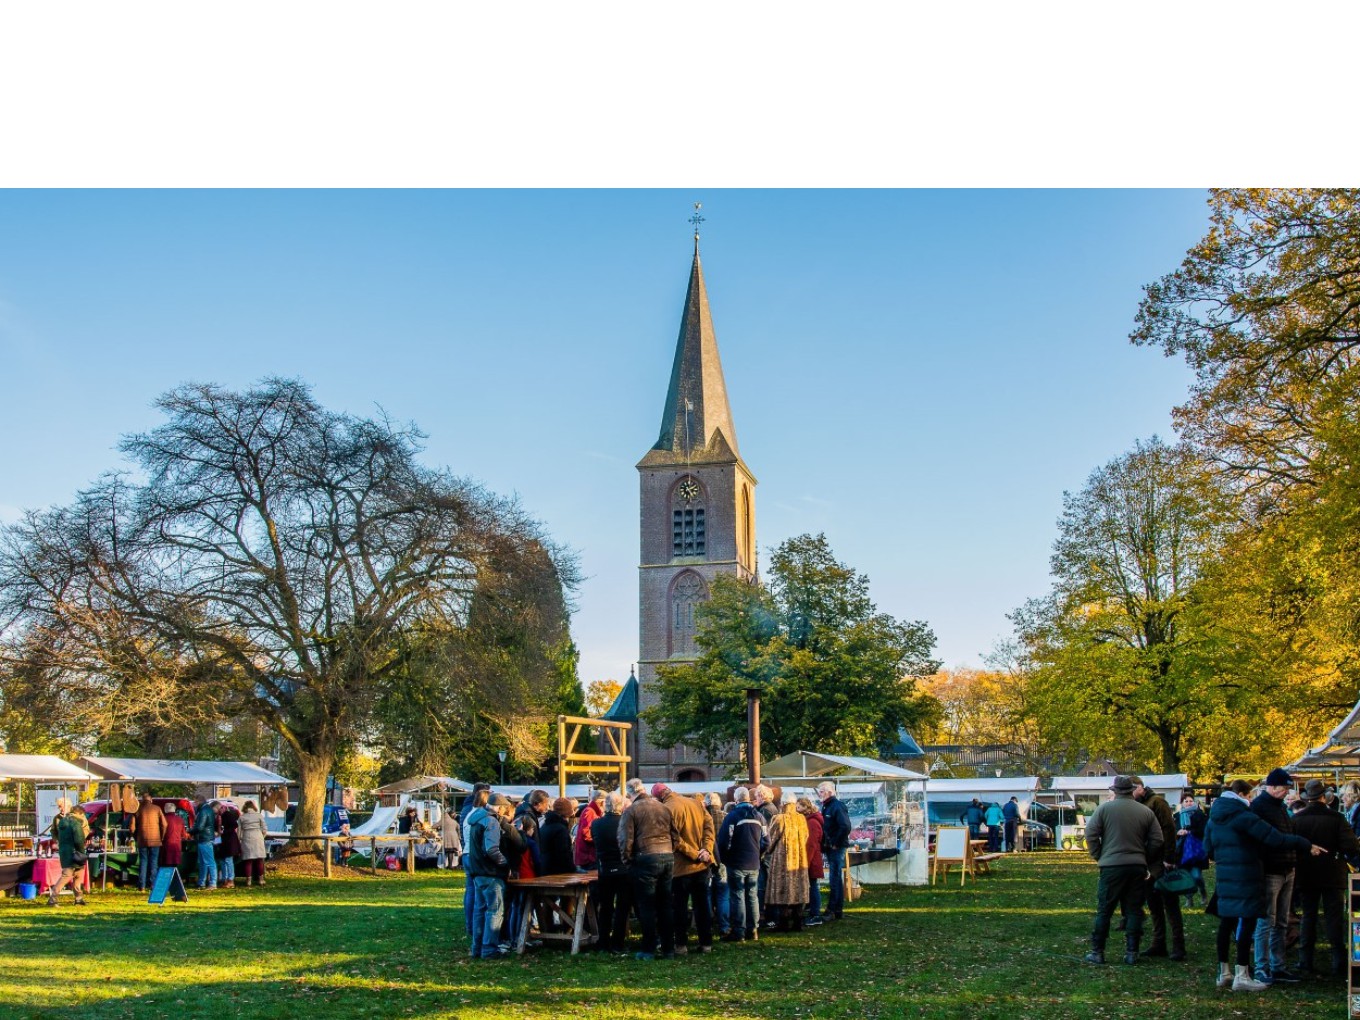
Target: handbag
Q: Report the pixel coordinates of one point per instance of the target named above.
(1175, 882)
(79, 857)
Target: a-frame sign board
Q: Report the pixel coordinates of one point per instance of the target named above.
(169, 883)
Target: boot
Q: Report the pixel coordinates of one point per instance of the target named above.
(1158, 945)
(1244, 982)
(1306, 961)
(1225, 976)
(1340, 965)
(1097, 953)
(1177, 939)
(1131, 947)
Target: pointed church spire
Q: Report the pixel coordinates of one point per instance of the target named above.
(696, 410)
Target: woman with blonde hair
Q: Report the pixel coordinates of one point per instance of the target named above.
(786, 890)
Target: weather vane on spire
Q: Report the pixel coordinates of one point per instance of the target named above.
(696, 219)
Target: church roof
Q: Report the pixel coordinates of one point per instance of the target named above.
(625, 707)
(697, 419)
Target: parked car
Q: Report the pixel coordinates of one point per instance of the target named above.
(332, 817)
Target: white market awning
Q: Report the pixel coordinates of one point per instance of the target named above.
(417, 784)
(1163, 784)
(809, 764)
(40, 768)
(153, 770)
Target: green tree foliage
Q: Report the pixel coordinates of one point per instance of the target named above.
(279, 549)
(1266, 310)
(1122, 665)
(835, 674)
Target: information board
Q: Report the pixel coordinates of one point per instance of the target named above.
(169, 883)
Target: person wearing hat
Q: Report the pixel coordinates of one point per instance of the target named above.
(1322, 880)
(1278, 864)
(1123, 837)
(1234, 841)
(1165, 908)
(647, 847)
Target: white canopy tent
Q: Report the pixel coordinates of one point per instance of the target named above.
(946, 793)
(1085, 793)
(1339, 754)
(887, 809)
(51, 779)
(192, 773)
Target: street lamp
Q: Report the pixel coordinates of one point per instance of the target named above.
(501, 755)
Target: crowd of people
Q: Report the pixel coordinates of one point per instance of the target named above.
(674, 862)
(997, 823)
(1277, 852)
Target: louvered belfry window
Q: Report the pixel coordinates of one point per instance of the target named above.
(687, 532)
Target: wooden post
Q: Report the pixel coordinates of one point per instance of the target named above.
(561, 755)
(326, 849)
(411, 855)
(753, 734)
(373, 854)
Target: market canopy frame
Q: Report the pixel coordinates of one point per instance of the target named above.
(159, 770)
(1339, 753)
(41, 768)
(814, 765)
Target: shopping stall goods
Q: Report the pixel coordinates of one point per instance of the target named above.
(1083, 794)
(887, 807)
(26, 838)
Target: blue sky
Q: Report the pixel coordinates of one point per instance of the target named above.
(919, 374)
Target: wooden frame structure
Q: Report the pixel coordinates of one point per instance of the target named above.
(570, 761)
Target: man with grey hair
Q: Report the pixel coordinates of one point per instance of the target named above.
(614, 902)
(835, 843)
(647, 838)
(741, 838)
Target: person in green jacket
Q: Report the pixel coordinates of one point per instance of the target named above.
(72, 829)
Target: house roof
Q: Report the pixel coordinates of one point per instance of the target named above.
(625, 706)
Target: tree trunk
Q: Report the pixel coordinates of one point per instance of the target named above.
(313, 771)
(1171, 750)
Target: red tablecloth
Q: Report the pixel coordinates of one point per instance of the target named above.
(46, 871)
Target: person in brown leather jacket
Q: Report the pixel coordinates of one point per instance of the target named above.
(694, 835)
(647, 839)
(148, 829)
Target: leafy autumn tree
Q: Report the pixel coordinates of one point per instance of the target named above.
(282, 548)
(1114, 647)
(836, 675)
(600, 694)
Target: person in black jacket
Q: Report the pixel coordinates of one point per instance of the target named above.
(835, 843)
(1273, 925)
(1322, 880)
(1164, 908)
(740, 840)
(488, 869)
(613, 887)
(555, 839)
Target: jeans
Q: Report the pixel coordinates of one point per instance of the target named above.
(488, 911)
(207, 865)
(814, 903)
(148, 864)
(993, 838)
(1120, 885)
(835, 870)
(611, 909)
(1011, 829)
(692, 891)
(467, 897)
(718, 898)
(1272, 926)
(744, 896)
(651, 874)
(226, 868)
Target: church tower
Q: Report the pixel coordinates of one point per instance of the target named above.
(697, 518)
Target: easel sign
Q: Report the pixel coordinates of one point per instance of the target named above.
(169, 883)
(951, 847)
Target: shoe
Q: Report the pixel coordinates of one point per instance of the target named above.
(1286, 975)
(1243, 981)
(82, 902)
(644, 956)
(753, 936)
(1225, 976)
(679, 951)
(1156, 949)
(705, 949)
(733, 937)
(51, 901)
(1262, 977)
(1095, 956)
(813, 922)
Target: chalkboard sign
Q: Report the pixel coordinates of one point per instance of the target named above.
(168, 882)
(951, 844)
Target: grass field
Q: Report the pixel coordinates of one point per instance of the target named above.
(1008, 946)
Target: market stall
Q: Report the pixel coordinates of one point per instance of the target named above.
(1083, 794)
(887, 807)
(1337, 758)
(26, 846)
(216, 780)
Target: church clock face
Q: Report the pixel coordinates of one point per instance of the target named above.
(688, 490)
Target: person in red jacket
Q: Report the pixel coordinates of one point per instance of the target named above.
(583, 849)
(172, 843)
(816, 870)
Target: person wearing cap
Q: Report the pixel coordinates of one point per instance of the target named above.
(555, 839)
(1234, 840)
(1278, 864)
(1123, 837)
(1165, 908)
(694, 837)
(647, 846)
(1322, 880)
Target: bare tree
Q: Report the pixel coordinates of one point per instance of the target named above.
(280, 548)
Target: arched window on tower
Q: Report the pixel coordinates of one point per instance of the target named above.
(689, 531)
(747, 530)
(686, 594)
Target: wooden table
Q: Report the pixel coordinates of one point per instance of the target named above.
(565, 898)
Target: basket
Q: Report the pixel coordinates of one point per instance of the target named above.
(28, 891)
